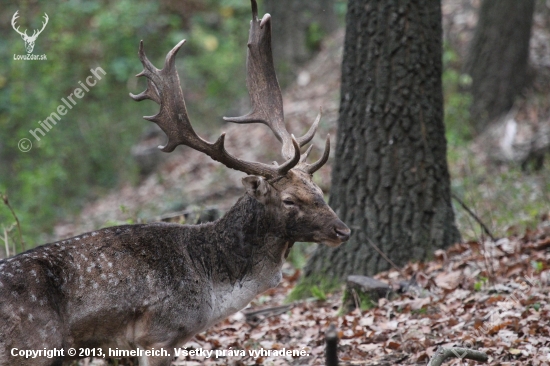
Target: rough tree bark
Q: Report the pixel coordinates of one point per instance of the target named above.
(298, 26)
(390, 181)
(497, 59)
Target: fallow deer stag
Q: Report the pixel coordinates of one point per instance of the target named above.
(153, 286)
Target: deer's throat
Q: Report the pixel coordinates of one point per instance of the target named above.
(250, 259)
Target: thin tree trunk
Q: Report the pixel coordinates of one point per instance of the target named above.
(390, 181)
(498, 56)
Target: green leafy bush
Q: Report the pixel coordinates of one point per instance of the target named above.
(88, 151)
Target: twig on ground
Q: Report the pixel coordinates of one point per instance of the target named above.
(356, 300)
(481, 223)
(457, 352)
(488, 263)
(375, 247)
(255, 317)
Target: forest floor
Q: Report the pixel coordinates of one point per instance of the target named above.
(487, 295)
(493, 297)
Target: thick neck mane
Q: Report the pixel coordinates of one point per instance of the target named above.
(244, 242)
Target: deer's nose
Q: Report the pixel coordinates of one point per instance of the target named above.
(342, 231)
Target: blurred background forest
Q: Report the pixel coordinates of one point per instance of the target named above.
(88, 152)
(89, 161)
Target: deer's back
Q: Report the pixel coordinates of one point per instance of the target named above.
(105, 288)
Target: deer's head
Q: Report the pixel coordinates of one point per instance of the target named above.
(29, 40)
(296, 207)
(287, 190)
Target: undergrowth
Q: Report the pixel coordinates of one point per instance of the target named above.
(506, 198)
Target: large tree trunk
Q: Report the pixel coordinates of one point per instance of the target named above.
(298, 27)
(498, 55)
(390, 181)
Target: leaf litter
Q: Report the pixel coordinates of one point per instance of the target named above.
(488, 296)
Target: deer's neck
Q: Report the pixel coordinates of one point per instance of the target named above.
(250, 240)
(246, 256)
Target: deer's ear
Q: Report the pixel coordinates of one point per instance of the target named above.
(257, 187)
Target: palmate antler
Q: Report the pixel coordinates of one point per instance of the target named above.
(163, 87)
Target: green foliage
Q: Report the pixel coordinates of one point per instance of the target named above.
(457, 102)
(314, 36)
(10, 234)
(318, 293)
(537, 266)
(422, 311)
(88, 151)
(505, 198)
(365, 302)
(478, 285)
(340, 8)
(313, 287)
(214, 71)
(299, 254)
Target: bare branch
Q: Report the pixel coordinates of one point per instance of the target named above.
(481, 223)
(7, 203)
(457, 352)
(375, 247)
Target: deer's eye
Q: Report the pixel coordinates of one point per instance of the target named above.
(289, 202)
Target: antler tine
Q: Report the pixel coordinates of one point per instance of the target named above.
(149, 71)
(163, 87)
(43, 23)
(312, 168)
(306, 154)
(263, 87)
(14, 20)
(312, 130)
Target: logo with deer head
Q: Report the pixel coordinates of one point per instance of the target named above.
(29, 40)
